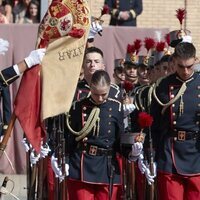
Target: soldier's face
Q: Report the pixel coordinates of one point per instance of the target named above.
(143, 75)
(93, 62)
(131, 72)
(99, 93)
(119, 76)
(164, 69)
(184, 68)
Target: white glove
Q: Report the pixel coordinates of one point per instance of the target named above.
(4, 44)
(26, 145)
(35, 57)
(137, 149)
(128, 108)
(44, 150)
(67, 169)
(141, 164)
(149, 177)
(54, 165)
(61, 178)
(57, 170)
(34, 158)
(94, 29)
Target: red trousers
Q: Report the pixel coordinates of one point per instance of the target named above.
(79, 191)
(140, 180)
(178, 187)
(50, 180)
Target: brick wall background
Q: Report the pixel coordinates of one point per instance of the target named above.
(161, 14)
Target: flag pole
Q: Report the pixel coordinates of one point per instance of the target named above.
(7, 135)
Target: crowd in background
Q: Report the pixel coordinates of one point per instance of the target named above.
(19, 11)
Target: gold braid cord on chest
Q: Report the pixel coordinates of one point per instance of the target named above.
(92, 122)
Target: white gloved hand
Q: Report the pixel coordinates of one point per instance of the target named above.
(57, 170)
(35, 57)
(34, 158)
(4, 44)
(26, 145)
(141, 164)
(94, 29)
(128, 108)
(67, 169)
(149, 177)
(44, 150)
(54, 165)
(137, 148)
(62, 177)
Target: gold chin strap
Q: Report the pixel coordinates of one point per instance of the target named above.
(166, 105)
(141, 104)
(89, 125)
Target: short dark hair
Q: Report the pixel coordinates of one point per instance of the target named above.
(94, 50)
(100, 77)
(185, 50)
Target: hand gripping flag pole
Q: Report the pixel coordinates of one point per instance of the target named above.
(47, 90)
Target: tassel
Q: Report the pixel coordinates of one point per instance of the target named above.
(181, 106)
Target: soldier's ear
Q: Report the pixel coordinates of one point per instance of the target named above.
(103, 66)
(197, 60)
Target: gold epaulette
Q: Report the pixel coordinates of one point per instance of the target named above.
(150, 94)
(157, 83)
(113, 85)
(116, 101)
(141, 104)
(75, 102)
(135, 95)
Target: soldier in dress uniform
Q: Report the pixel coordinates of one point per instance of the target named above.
(176, 130)
(124, 13)
(93, 167)
(93, 61)
(119, 73)
(142, 100)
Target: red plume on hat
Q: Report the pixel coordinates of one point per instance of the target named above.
(137, 44)
(130, 48)
(180, 14)
(105, 10)
(160, 46)
(149, 43)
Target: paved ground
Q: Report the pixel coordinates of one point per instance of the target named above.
(19, 184)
